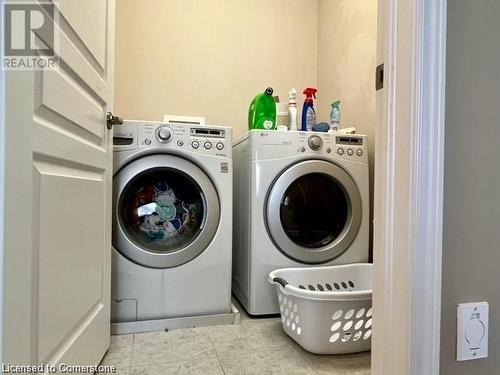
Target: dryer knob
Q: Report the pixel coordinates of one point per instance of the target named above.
(163, 134)
(315, 142)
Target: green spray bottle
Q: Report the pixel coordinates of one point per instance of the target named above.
(262, 111)
(335, 116)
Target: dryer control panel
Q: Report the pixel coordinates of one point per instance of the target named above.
(206, 139)
(275, 144)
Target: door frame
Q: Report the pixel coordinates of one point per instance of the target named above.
(2, 177)
(408, 194)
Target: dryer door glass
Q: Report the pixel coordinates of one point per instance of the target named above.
(314, 210)
(161, 210)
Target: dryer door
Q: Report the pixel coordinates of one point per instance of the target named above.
(165, 211)
(313, 211)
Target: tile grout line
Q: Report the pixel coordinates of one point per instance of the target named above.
(171, 362)
(131, 354)
(306, 360)
(299, 350)
(216, 353)
(212, 337)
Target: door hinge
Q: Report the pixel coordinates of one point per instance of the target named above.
(113, 120)
(379, 77)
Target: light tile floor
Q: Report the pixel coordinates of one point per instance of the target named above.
(255, 346)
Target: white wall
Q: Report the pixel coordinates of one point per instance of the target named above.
(210, 58)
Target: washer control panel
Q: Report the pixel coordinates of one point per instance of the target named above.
(350, 145)
(212, 140)
(281, 144)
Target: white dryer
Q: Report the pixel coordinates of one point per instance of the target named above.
(172, 221)
(300, 199)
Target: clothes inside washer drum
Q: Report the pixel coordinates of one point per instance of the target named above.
(162, 210)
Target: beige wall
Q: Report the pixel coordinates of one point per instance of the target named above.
(471, 235)
(347, 50)
(210, 58)
(347, 58)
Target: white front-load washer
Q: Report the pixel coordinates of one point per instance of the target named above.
(300, 199)
(172, 221)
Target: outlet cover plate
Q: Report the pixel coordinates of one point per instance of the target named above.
(472, 330)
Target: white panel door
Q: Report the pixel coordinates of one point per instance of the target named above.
(58, 196)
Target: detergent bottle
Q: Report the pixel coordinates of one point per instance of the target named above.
(262, 111)
(308, 112)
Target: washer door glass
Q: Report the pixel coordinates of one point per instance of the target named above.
(161, 210)
(166, 211)
(314, 210)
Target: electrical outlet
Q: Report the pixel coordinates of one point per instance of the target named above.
(472, 331)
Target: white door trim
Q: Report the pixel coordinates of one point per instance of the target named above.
(409, 187)
(2, 175)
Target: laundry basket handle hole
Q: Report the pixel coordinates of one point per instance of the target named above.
(280, 281)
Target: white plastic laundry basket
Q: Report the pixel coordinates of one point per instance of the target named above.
(326, 310)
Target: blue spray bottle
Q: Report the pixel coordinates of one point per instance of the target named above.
(308, 112)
